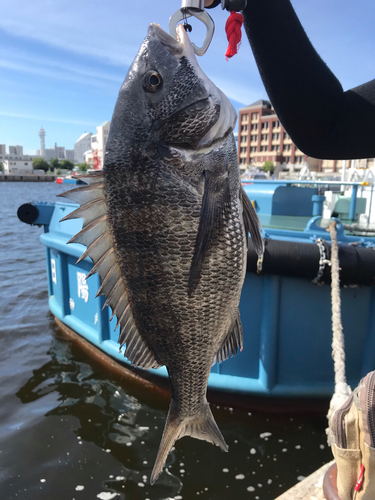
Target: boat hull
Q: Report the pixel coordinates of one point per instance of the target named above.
(286, 322)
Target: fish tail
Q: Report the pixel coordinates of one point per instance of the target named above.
(201, 426)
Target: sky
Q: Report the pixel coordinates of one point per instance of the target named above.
(62, 62)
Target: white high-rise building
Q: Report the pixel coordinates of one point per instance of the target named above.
(81, 147)
(42, 135)
(95, 157)
(15, 153)
(16, 150)
(58, 152)
(69, 154)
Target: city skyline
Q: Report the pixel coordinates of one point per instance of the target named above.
(65, 75)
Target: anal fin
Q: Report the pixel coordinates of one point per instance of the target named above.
(232, 343)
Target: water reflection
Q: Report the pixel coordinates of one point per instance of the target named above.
(115, 421)
(266, 454)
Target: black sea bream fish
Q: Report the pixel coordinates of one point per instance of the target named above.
(166, 226)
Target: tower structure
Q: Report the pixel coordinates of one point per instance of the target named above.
(42, 135)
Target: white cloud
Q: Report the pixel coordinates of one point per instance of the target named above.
(109, 31)
(44, 118)
(80, 69)
(83, 78)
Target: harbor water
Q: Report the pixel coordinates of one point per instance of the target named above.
(71, 430)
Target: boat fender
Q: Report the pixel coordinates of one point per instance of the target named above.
(304, 260)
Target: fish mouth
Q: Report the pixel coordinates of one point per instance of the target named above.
(171, 44)
(182, 47)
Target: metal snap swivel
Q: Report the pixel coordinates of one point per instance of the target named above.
(203, 16)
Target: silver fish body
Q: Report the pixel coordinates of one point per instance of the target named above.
(166, 226)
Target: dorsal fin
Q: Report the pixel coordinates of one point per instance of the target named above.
(96, 236)
(232, 343)
(251, 222)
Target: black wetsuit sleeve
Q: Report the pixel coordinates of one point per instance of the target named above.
(322, 120)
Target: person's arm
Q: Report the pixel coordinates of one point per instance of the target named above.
(322, 120)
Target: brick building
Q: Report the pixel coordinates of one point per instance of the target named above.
(261, 137)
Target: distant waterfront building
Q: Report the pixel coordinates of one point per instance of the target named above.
(58, 152)
(15, 150)
(42, 135)
(2, 152)
(15, 153)
(261, 137)
(18, 167)
(69, 153)
(98, 142)
(82, 145)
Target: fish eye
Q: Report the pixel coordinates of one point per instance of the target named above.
(152, 81)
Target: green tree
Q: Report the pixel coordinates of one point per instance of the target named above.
(268, 166)
(54, 162)
(1, 166)
(67, 164)
(40, 164)
(83, 167)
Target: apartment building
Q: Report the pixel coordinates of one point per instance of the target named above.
(58, 152)
(15, 153)
(81, 146)
(261, 137)
(95, 157)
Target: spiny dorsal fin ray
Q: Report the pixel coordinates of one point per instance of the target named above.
(97, 248)
(110, 278)
(232, 343)
(105, 262)
(85, 193)
(88, 212)
(251, 222)
(111, 294)
(215, 205)
(96, 236)
(91, 232)
(92, 177)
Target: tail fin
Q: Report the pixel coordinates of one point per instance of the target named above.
(202, 426)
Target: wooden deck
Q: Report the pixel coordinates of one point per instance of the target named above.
(308, 489)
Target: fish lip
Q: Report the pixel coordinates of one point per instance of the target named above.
(174, 47)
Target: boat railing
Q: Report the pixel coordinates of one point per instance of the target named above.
(357, 190)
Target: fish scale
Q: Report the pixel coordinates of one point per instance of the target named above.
(166, 224)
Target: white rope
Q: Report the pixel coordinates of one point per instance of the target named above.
(342, 389)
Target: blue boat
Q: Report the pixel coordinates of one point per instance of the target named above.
(68, 180)
(285, 304)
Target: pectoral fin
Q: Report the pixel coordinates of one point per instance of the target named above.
(251, 222)
(215, 206)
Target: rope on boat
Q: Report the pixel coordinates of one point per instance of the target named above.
(359, 229)
(342, 389)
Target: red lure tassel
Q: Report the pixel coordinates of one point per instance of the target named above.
(234, 33)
